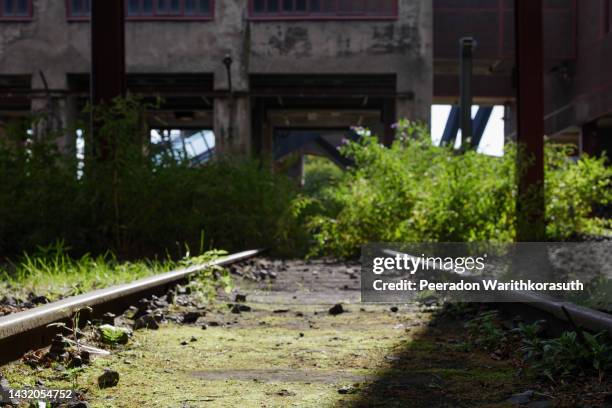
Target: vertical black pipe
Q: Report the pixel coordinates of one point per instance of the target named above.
(466, 46)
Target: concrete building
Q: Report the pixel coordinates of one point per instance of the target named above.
(301, 66)
(307, 64)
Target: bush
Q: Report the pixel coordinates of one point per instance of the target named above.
(132, 202)
(417, 192)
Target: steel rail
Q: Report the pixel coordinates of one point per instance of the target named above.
(27, 330)
(581, 316)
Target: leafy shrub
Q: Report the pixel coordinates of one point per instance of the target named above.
(320, 175)
(417, 192)
(486, 331)
(573, 190)
(131, 201)
(567, 355)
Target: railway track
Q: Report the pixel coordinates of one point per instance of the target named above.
(559, 315)
(286, 322)
(29, 330)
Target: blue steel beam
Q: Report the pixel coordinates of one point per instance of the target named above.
(480, 124)
(452, 126)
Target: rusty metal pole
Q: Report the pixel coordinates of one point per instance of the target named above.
(530, 129)
(466, 46)
(107, 58)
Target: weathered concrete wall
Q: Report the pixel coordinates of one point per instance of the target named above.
(57, 47)
(402, 47)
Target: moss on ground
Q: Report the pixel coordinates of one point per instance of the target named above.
(267, 359)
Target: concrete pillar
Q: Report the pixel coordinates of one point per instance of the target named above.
(232, 125)
(408, 108)
(54, 111)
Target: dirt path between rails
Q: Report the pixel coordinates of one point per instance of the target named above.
(289, 351)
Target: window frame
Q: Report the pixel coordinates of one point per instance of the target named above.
(26, 18)
(307, 16)
(153, 17)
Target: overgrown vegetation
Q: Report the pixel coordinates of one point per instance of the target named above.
(53, 273)
(417, 192)
(135, 201)
(131, 201)
(556, 358)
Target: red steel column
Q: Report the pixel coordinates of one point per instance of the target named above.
(107, 55)
(530, 129)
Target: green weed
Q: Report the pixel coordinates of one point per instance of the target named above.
(417, 192)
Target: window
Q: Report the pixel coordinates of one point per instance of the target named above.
(80, 8)
(151, 9)
(323, 9)
(15, 9)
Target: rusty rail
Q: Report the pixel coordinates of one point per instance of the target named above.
(28, 330)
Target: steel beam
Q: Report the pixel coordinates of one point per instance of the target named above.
(530, 110)
(107, 50)
(480, 124)
(108, 78)
(466, 46)
(452, 127)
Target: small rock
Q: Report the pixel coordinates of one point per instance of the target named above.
(281, 311)
(108, 318)
(59, 367)
(131, 311)
(394, 309)
(191, 317)
(521, 398)
(76, 361)
(239, 298)
(193, 339)
(204, 327)
(285, 393)
(346, 390)
(301, 334)
(146, 322)
(336, 309)
(109, 378)
(39, 300)
(184, 343)
(85, 356)
(299, 314)
(78, 404)
(214, 324)
(429, 301)
(39, 382)
(170, 296)
(58, 345)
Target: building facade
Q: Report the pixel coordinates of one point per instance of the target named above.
(308, 64)
(294, 63)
